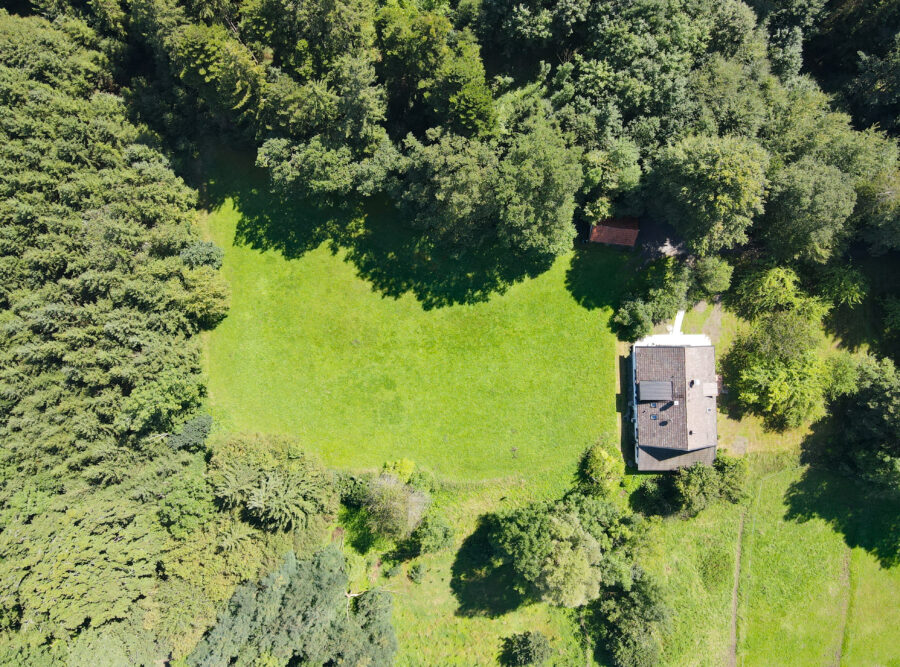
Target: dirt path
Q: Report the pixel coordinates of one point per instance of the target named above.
(732, 658)
(845, 584)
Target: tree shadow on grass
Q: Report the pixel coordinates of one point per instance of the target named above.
(357, 533)
(600, 276)
(397, 260)
(394, 258)
(481, 587)
(862, 325)
(269, 221)
(867, 518)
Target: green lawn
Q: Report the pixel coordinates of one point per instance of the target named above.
(694, 562)
(794, 582)
(498, 397)
(517, 386)
(872, 636)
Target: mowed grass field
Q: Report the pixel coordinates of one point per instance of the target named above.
(517, 386)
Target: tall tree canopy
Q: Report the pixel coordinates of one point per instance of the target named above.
(715, 186)
(301, 613)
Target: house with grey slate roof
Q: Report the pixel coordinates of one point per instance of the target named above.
(675, 386)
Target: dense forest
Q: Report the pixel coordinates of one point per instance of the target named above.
(765, 133)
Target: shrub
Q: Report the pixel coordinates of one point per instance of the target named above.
(423, 479)
(402, 469)
(655, 495)
(394, 509)
(434, 534)
(601, 469)
(695, 488)
(713, 274)
(632, 621)
(633, 320)
(732, 474)
(192, 435)
(525, 648)
(202, 253)
(393, 571)
(352, 488)
(699, 485)
(417, 573)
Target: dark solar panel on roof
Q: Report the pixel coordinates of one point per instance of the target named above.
(654, 391)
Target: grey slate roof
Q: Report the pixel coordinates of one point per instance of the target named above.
(686, 422)
(668, 459)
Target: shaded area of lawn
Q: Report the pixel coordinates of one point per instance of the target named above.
(481, 586)
(394, 258)
(866, 517)
(396, 261)
(863, 325)
(868, 520)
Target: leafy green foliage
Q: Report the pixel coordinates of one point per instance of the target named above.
(417, 573)
(713, 274)
(433, 535)
(602, 468)
(632, 620)
(768, 291)
(699, 485)
(776, 369)
(714, 188)
(671, 291)
(844, 286)
(272, 482)
(538, 178)
(565, 552)
(808, 206)
(394, 509)
(301, 612)
(868, 419)
(525, 648)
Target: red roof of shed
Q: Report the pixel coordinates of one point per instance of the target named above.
(617, 231)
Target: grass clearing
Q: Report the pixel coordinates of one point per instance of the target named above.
(498, 397)
(871, 637)
(515, 386)
(792, 586)
(694, 562)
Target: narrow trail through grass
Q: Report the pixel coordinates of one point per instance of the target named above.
(845, 582)
(734, 590)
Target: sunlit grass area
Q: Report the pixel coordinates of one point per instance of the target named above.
(518, 385)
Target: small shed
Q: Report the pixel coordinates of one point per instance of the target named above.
(615, 231)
